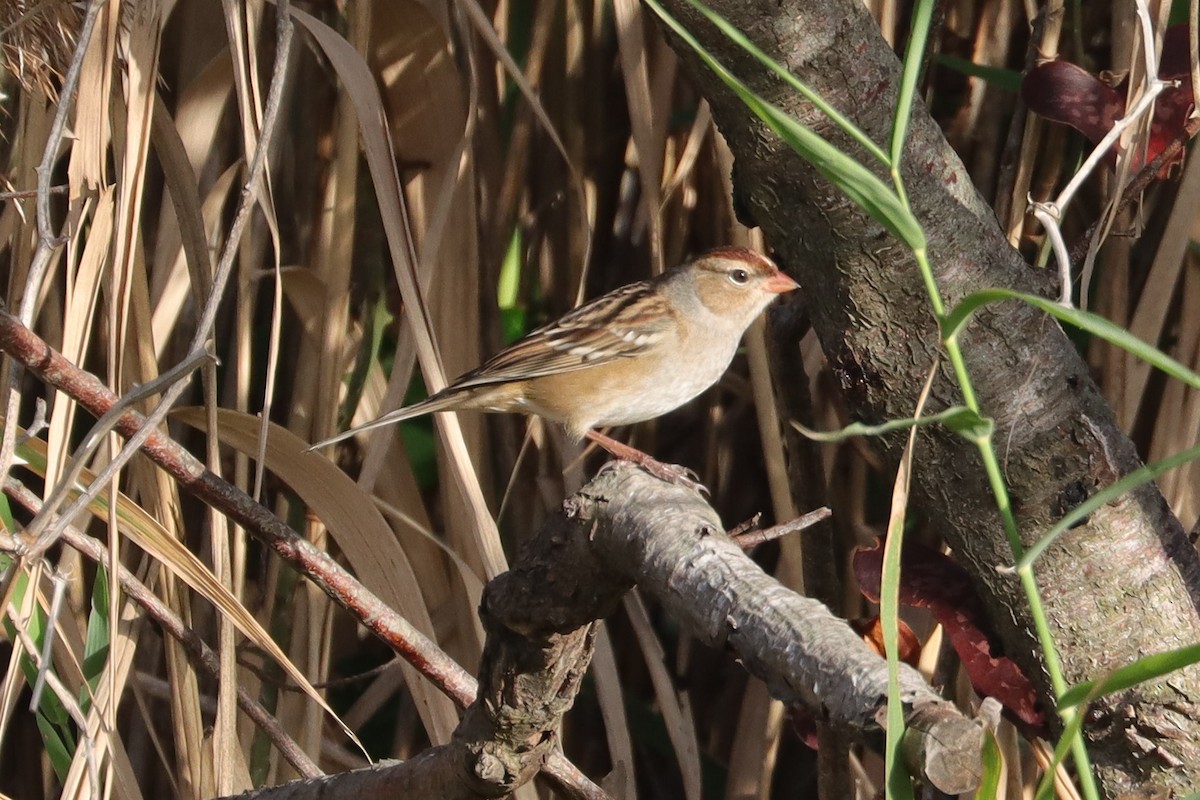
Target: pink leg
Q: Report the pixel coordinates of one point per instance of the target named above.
(672, 473)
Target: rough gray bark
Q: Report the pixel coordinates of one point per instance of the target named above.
(626, 527)
(1123, 584)
(670, 542)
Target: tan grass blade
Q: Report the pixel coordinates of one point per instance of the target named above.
(688, 159)
(1018, 199)
(1177, 421)
(88, 166)
(647, 131)
(196, 122)
(107, 746)
(681, 727)
(611, 697)
(380, 158)
(14, 679)
(1153, 305)
(144, 531)
(82, 292)
(483, 26)
(470, 587)
(177, 288)
(320, 372)
(435, 128)
(242, 24)
(359, 529)
(755, 744)
(445, 585)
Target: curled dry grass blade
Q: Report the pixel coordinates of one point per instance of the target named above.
(144, 531)
(359, 529)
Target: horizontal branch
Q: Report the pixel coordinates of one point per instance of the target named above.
(626, 527)
(670, 542)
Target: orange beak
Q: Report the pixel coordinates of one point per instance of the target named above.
(780, 283)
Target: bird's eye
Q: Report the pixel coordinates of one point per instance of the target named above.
(739, 277)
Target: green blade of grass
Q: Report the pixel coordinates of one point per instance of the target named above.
(1094, 324)
(914, 54)
(835, 116)
(1144, 669)
(861, 185)
(993, 768)
(1007, 79)
(957, 418)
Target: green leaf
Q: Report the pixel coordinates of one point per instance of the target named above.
(835, 116)
(971, 426)
(1008, 80)
(1144, 669)
(957, 418)
(49, 707)
(914, 56)
(57, 749)
(1070, 734)
(993, 768)
(98, 637)
(861, 185)
(1094, 324)
(509, 285)
(6, 517)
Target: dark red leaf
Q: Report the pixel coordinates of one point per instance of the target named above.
(1063, 92)
(804, 725)
(929, 579)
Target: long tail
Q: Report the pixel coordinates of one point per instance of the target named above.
(442, 401)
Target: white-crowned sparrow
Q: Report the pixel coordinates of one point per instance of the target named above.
(630, 355)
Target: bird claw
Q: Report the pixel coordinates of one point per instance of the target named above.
(674, 473)
(671, 473)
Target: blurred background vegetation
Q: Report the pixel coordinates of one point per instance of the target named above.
(547, 152)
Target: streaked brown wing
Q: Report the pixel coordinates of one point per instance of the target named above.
(620, 324)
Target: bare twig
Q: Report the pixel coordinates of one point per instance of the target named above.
(749, 539)
(25, 194)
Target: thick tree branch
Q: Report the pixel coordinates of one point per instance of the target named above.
(670, 542)
(1123, 584)
(626, 527)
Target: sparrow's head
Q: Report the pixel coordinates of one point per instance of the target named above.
(736, 284)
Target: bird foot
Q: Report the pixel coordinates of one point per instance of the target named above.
(671, 473)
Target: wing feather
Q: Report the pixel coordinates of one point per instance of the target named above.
(620, 324)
